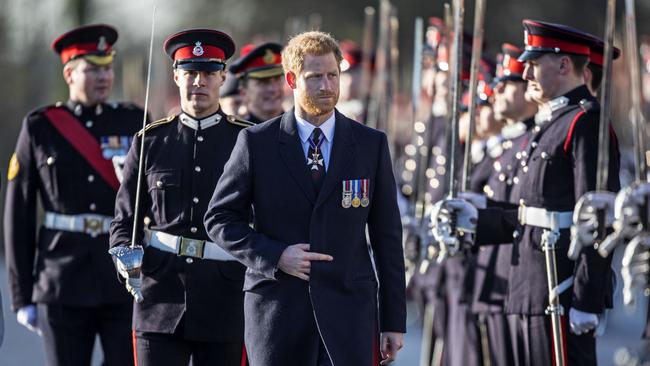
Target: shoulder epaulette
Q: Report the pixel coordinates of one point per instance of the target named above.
(157, 123)
(589, 106)
(239, 121)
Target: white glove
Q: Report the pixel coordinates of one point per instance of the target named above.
(453, 223)
(476, 199)
(28, 317)
(582, 322)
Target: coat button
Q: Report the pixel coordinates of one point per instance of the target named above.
(515, 234)
(197, 168)
(89, 124)
(536, 129)
(199, 138)
(159, 184)
(93, 207)
(544, 155)
(533, 144)
(91, 178)
(525, 169)
(195, 200)
(189, 260)
(193, 229)
(515, 180)
(50, 160)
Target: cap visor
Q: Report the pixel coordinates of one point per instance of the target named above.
(530, 55)
(266, 73)
(201, 66)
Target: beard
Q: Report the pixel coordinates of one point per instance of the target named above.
(313, 105)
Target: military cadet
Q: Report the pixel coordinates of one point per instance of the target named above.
(558, 168)
(315, 180)
(261, 85)
(493, 262)
(594, 71)
(70, 155)
(192, 289)
(350, 99)
(230, 100)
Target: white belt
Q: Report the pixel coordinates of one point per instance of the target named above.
(91, 224)
(186, 246)
(553, 220)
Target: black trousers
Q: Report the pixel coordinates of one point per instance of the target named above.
(155, 349)
(495, 339)
(532, 342)
(69, 333)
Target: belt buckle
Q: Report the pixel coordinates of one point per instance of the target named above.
(191, 247)
(521, 214)
(93, 226)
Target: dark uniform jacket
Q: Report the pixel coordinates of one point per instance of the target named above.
(493, 262)
(54, 266)
(560, 166)
(284, 314)
(182, 166)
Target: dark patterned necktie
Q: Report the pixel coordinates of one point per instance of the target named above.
(315, 159)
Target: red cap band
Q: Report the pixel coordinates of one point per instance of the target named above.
(563, 46)
(512, 66)
(199, 51)
(596, 58)
(80, 49)
(265, 60)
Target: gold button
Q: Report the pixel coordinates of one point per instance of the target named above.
(515, 180)
(533, 144)
(525, 169)
(544, 155)
(159, 184)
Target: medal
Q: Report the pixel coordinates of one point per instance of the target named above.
(317, 158)
(347, 194)
(356, 201)
(365, 201)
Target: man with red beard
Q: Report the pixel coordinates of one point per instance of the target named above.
(260, 74)
(315, 180)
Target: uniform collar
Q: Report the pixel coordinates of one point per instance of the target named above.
(547, 109)
(202, 123)
(305, 128)
(510, 132)
(79, 109)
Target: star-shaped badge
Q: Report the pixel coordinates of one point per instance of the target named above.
(315, 161)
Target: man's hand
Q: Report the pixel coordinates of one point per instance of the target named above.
(28, 317)
(390, 343)
(582, 322)
(296, 260)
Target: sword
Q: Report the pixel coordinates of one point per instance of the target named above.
(477, 45)
(446, 229)
(130, 258)
(366, 58)
(597, 208)
(632, 202)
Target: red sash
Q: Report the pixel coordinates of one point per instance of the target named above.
(85, 143)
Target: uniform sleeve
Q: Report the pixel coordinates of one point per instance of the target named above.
(20, 220)
(496, 223)
(228, 215)
(122, 225)
(385, 232)
(591, 270)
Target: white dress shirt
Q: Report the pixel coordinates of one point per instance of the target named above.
(304, 131)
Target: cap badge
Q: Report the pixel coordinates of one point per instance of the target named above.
(269, 57)
(101, 45)
(198, 49)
